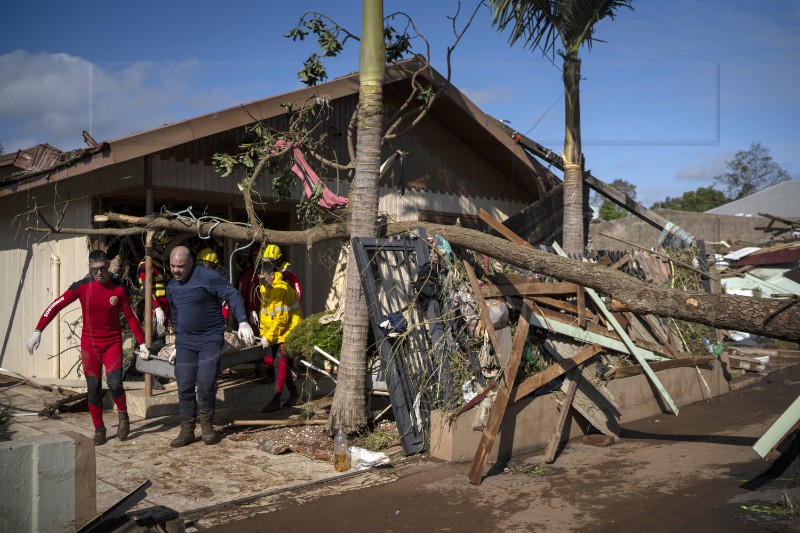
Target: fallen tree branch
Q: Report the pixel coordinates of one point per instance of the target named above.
(778, 319)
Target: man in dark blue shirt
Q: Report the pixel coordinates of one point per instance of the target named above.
(195, 295)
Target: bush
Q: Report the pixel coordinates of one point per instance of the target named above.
(310, 333)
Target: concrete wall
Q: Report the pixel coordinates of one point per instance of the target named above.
(711, 228)
(49, 483)
(528, 424)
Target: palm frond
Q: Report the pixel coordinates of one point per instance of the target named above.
(543, 23)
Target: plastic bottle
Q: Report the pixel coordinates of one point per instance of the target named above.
(341, 457)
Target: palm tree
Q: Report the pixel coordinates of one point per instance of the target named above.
(347, 410)
(542, 24)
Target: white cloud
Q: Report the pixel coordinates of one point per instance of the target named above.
(702, 168)
(53, 97)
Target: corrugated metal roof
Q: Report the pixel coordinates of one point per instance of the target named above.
(781, 200)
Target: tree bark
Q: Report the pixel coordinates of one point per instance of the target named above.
(348, 411)
(573, 234)
(778, 319)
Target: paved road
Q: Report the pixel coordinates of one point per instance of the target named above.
(687, 473)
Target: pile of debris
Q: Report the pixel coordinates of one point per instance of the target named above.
(454, 331)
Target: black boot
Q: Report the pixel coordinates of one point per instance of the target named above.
(99, 436)
(207, 427)
(294, 395)
(124, 425)
(186, 436)
(274, 405)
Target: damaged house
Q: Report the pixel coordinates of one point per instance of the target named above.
(456, 161)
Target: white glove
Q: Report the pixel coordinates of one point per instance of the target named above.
(246, 333)
(34, 341)
(172, 355)
(160, 316)
(144, 353)
(264, 343)
(254, 318)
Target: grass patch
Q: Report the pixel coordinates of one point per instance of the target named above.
(534, 470)
(377, 440)
(787, 506)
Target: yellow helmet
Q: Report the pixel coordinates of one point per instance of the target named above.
(208, 255)
(271, 253)
(161, 238)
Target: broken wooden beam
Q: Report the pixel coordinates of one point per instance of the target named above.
(484, 310)
(656, 366)
(529, 289)
(550, 373)
(500, 402)
(555, 440)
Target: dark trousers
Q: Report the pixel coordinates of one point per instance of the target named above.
(197, 366)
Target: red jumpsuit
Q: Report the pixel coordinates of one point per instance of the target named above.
(101, 337)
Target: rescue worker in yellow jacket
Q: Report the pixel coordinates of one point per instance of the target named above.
(280, 314)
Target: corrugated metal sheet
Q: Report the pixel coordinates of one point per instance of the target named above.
(781, 200)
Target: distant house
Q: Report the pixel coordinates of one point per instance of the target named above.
(458, 161)
(781, 200)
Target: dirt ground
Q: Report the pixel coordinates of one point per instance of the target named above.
(693, 472)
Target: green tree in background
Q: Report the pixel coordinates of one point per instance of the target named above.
(543, 24)
(608, 209)
(749, 172)
(700, 200)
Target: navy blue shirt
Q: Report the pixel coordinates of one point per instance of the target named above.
(196, 306)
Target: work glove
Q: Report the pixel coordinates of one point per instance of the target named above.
(34, 341)
(144, 352)
(170, 352)
(254, 318)
(160, 316)
(245, 333)
(264, 343)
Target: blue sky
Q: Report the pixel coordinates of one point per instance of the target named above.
(676, 90)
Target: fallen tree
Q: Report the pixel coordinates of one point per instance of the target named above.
(778, 319)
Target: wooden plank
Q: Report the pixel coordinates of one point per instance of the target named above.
(485, 317)
(529, 289)
(555, 440)
(598, 330)
(500, 402)
(632, 348)
(550, 373)
(585, 336)
(622, 261)
(501, 229)
(581, 307)
(779, 430)
(635, 370)
(473, 402)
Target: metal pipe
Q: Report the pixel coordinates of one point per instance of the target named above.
(327, 356)
(312, 367)
(55, 283)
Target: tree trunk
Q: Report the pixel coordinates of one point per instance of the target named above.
(778, 319)
(573, 235)
(348, 411)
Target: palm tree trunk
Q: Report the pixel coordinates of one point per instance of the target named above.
(574, 235)
(348, 410)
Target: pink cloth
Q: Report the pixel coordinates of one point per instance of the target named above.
(309, 179)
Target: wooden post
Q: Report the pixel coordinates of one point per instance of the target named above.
(501, 400)
(552, 446)
(550, 373)
(487, 320)
(148, 305)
